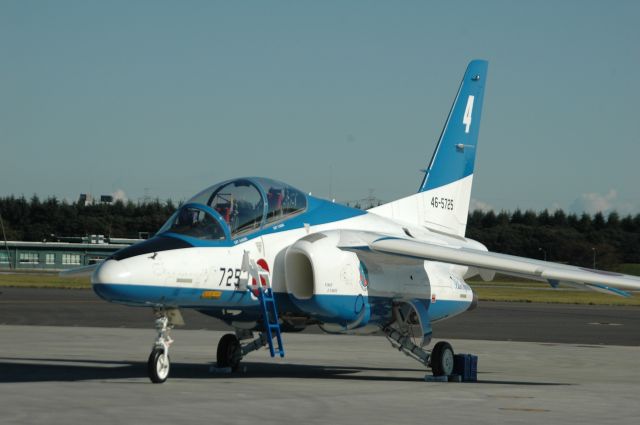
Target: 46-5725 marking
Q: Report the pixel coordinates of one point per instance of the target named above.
(442, 203)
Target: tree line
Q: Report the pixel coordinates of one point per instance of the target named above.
(48, 220)
(566, 238)
(556, 236)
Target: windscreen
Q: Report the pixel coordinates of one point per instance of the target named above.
(240, 205)
(284, 200)
(193, 222)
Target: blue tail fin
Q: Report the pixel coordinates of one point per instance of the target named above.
(455, 153)
(442, 202)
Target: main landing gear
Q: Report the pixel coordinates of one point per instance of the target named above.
(410, 325)
(440, 359)
(230, 351)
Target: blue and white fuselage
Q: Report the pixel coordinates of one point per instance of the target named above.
(321, 271)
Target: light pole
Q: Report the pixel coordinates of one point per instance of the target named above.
(6, 244)
(594, 257)
(544, 253)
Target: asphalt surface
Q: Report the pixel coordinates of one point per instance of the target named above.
(77, 375)
(550, 323)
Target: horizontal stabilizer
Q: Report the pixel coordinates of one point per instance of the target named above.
(79, 271)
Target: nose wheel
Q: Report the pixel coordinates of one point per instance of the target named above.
(158, 366)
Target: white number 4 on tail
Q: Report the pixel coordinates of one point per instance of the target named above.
(466, 120)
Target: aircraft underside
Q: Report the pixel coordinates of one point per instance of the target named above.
(253, 307)
(406, 325)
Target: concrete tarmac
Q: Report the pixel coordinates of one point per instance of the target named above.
(555, 323)
(78, 375)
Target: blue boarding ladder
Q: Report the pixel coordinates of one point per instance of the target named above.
(270, 314)
(267, 304)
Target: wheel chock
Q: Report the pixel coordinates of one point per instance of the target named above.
(431, 378)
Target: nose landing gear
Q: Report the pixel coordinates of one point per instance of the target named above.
(159, 364)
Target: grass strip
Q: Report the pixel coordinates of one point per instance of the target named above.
(43, 280)
(556, 296)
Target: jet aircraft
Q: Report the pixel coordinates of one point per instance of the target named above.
(265, 257)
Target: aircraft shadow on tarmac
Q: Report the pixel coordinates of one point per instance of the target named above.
(20, 370)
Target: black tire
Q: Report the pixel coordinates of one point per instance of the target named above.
(158, 372)
(289, 328)
(442, 359)
(229, 352)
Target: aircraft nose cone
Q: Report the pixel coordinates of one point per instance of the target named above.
(111, 281)
(111, 272)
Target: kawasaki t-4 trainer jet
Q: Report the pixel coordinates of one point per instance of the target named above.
(265, 257)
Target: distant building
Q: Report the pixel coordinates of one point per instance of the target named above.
(85, 199)
(56, 256)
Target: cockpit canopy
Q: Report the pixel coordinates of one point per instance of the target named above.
(190, 220)
(238, 206)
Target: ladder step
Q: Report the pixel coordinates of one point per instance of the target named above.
(269, 315)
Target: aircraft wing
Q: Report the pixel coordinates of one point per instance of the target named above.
(554, 273)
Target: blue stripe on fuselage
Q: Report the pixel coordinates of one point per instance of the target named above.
(169, 296)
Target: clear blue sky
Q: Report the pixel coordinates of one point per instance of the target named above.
(334, 97)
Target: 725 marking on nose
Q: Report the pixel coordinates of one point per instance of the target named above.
(229, 277)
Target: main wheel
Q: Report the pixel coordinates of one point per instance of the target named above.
(158, 366)
(229, 352)
(442, 359)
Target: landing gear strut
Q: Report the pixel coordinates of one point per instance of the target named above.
(440, 359)
(231, 351)
(159, 364)
(410, 317)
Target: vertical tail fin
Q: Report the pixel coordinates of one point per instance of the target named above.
(442, 202)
